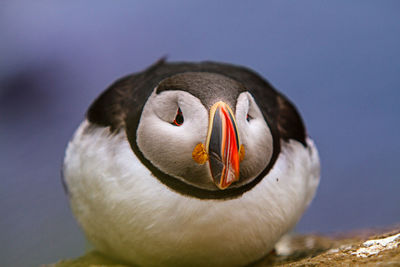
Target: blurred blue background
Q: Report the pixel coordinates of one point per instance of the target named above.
(338, 61)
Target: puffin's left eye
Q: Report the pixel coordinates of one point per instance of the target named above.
(248, 117)
(178, 118)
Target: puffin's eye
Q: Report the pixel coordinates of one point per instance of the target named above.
(178, 118)
(248, 117)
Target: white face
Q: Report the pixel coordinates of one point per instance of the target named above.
(169, 146)
(255, 136)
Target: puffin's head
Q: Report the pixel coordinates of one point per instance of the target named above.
(204, 130)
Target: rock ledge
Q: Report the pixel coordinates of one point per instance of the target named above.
(362, 249)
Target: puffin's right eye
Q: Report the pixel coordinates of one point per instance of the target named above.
(178, 118)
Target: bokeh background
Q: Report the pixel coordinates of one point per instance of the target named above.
(338, 61)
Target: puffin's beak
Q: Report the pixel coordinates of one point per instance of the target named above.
(222, 145)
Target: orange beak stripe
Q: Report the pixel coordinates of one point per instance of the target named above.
(223, 146)
(230, 150)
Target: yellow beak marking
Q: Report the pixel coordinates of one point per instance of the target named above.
(199, 154)
(242, 153)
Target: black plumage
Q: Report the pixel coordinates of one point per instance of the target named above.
(120, 107)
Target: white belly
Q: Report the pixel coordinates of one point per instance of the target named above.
(127, 213)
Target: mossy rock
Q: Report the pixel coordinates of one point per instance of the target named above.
(365, 248)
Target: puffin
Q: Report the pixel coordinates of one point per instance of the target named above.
(190, 164)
